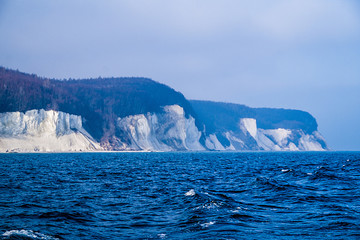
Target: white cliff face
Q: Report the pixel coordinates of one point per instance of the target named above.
(52, 131)
(140, 129)
(166, 131)
(252, 138)
(248, 125)
(213, 143)
(45, 131)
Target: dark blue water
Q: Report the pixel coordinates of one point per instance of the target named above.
(180, 196)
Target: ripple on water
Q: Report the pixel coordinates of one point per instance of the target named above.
(180, 196)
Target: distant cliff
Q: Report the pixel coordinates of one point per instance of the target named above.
(238, 127)
(41, 114)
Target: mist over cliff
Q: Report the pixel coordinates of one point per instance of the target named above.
(142, 114)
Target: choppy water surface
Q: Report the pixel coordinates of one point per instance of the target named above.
(180, 196)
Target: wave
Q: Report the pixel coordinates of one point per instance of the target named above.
(25, 235)
(70, 216)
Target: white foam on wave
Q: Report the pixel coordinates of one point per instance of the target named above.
(162, 235)
(27, 233)
(210, 205)
(189, 193)
(205, 225)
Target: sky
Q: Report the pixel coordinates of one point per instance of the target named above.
(298, 54)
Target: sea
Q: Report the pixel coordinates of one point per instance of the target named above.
(180, 195)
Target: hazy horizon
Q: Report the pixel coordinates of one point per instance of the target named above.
(283, 54)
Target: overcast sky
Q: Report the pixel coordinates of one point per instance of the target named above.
(299, 54)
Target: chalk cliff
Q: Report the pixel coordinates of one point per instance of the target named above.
(40, 114)
(44, 131)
